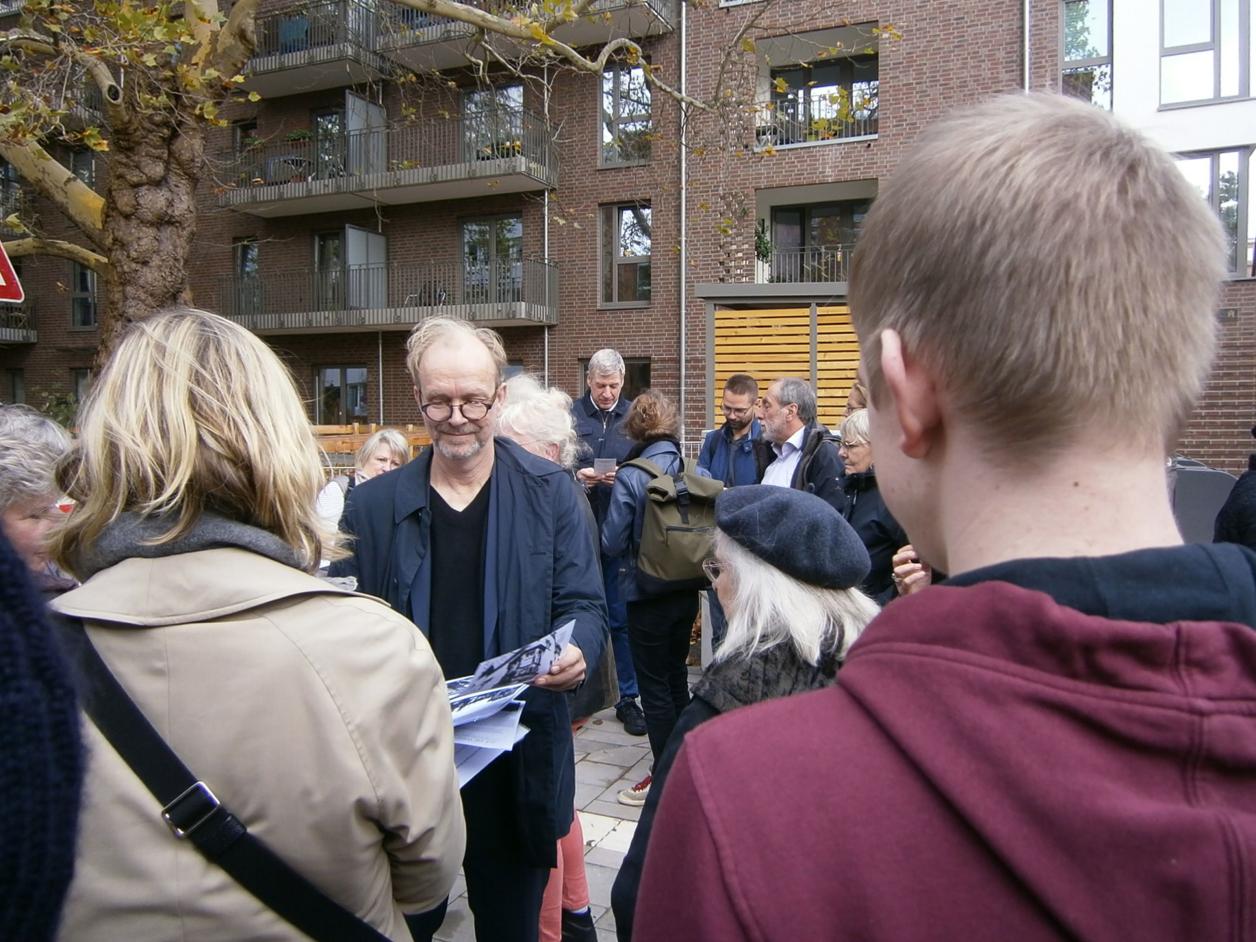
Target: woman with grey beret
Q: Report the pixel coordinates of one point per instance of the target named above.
(786, 570)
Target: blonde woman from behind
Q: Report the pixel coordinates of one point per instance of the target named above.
(317, 716)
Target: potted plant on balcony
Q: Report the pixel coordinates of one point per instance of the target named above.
(762, 253)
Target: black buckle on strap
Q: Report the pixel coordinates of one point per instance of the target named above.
(190, 810)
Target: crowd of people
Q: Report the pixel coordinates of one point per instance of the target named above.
(966, 682)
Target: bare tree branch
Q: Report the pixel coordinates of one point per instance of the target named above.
(19, 248)
(83, 205)
(237, 39)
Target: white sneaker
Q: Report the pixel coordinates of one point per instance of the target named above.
(636, 795)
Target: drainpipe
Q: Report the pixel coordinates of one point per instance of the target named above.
(684, 230)
(1025, 43)
(379, 368)
(545, 230)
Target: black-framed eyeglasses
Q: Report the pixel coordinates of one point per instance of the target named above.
(713, 568)
(473, 410)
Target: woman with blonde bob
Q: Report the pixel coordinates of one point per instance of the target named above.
(786, 570)
(317, 716)
(386, 450)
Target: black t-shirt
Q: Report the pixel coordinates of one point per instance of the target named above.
(456, 631)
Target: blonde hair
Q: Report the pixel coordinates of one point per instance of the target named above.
(541, 415)
(855, 427)
(434, 330)
(769, 607)
(393, 440)
(193, 414)
(1052, 266)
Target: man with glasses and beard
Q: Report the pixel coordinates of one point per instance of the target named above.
(728, 452)
(486, 547)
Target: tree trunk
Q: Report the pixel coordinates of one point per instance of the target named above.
(150, 220)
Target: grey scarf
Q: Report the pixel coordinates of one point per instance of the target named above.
(132, 535)
(776, 672)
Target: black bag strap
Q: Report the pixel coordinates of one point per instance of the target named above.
(193, 812)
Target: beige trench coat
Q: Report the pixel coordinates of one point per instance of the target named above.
(319, 717)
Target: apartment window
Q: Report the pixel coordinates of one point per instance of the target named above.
(626, 242)
(82, 296)
(625, 115)
(83, 165)
(14, 386)
(636, 375)
(1223, 178)
(822, 101)
(493, 122)
(244, 136)
(814, 242)
(1205, 50)
(1087, 52)
(341, 395)
(246, 258)
(492, 254)
(80, 382)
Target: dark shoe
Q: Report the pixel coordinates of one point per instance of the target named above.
(629, 713)
(578, 928)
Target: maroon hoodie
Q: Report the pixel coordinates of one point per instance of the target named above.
(992, 765)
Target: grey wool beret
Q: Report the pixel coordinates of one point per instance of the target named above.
(796, 532)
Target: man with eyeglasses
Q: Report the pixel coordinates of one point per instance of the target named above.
(599, 415)
(487, 547)
(728, 452)
(795, 450)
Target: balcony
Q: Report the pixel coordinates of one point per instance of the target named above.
(11, 7)
(789, 122)
(17, 323)
(813, 264)
(395, 297)
(422, 42)
(12, 198)
(311, 46)
(485, 153)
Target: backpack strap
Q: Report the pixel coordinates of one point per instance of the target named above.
(646, 465)
(193, 812)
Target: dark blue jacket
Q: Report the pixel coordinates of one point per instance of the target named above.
(621, 533)
(868, 516)
(728, 460)
(604, 436)
(540, 571)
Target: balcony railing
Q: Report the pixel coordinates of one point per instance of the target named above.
(827, 263)
(17, 323)
(787, 122)
(397, 162)
(12, 198)
(383, 297)
(9, 7)
(311, 27)
(421, 40)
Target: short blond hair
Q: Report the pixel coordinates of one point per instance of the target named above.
(434, 330)
(855, 427)
(1052, 266)
(391, 439)
(193, 414)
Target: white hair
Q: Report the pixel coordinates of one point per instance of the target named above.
(30, 447)
(543, 416)
(769, 607)
(605, 363)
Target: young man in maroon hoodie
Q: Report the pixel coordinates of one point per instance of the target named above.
(1060, 741)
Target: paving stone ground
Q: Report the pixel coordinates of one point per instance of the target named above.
(608, 760)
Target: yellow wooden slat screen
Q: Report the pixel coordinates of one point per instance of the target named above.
(771, 343)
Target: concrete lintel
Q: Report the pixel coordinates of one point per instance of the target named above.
(801, 292)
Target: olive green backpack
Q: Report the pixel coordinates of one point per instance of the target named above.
(678, 529)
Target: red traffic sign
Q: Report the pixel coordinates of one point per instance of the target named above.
(10, 287)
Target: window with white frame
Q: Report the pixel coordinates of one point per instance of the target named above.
(626, 127)
(1086, 33)
(626, 241)
(82, 296)
(80, 382)
(1205, 50)
(1223, 178)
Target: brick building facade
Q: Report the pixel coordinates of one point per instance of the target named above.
(347, 204)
